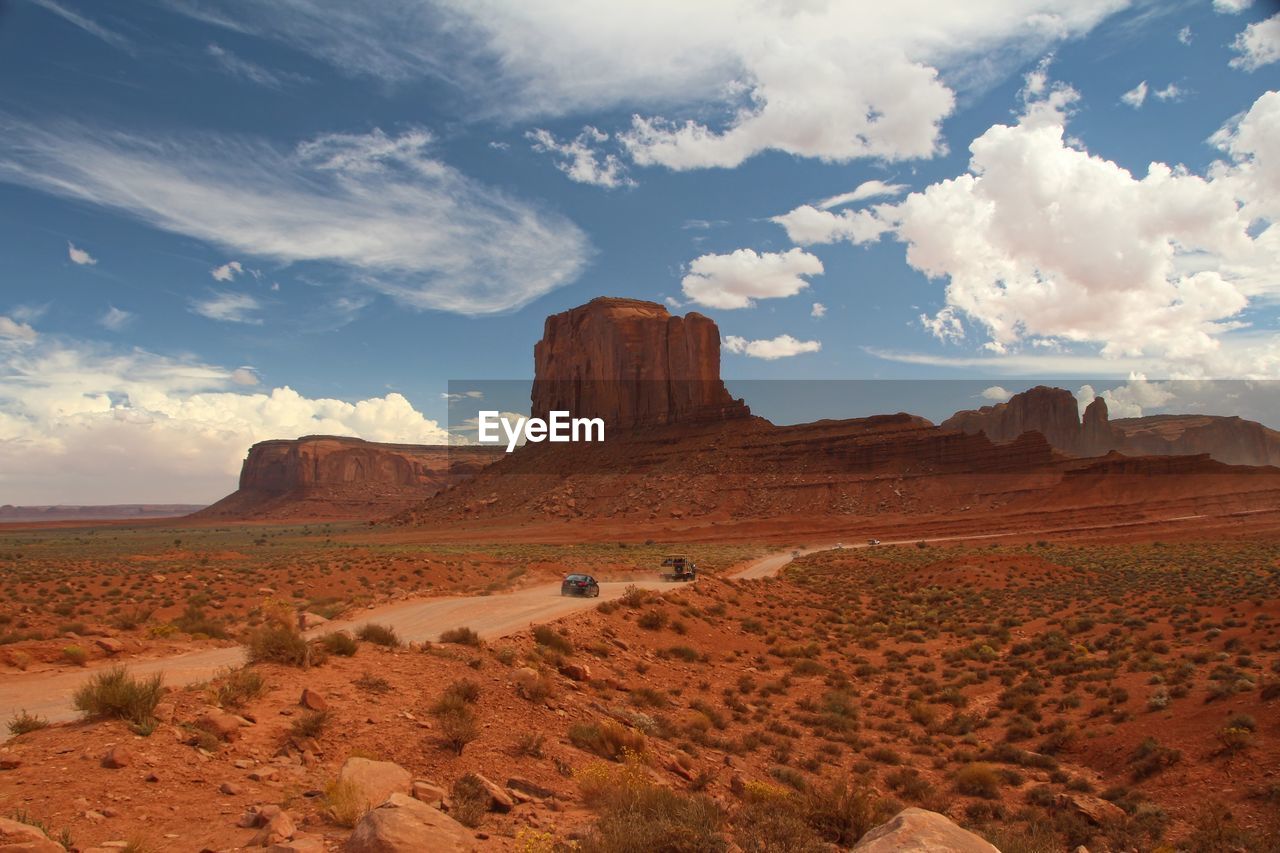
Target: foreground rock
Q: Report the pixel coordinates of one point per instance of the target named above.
(377, 780)
(22, 838)
(915, 830)
(404, 825)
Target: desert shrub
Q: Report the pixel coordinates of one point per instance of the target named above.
(193, 621)
(978, 779)
(1150, 758)
(310, 724)
(607, 739)
(21, 723)
(547, 636)
(633, 596)
(652, 620)
(456, 722)
(116, 693)
(469, 800)
(77, 655)
(345, 802)
(381, 635)
(339, 644)
(908, 782)
(841, 814)
(234, 687)
(277, 642)
(774, 825)
(371, 683)
(531, 744)
(461, 692)
(1235, 739)
(639, 816)
(460, 636)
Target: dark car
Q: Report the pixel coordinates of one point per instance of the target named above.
(580, 585)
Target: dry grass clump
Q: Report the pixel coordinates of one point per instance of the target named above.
(461, 636)
(607, 739)
(381, 635)
(345, 802)
(639, 816)
(114, 693)
(232, 688)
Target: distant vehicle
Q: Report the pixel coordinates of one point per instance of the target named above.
(682, 568)
(873, 542)
(583, 585)
(839, 545)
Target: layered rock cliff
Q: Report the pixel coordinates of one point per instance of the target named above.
(1052, 412)
(633, 364)
(320, 476)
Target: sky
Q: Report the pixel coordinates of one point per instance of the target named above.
(224, 221)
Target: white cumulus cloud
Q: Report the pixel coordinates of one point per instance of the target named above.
(85, 424)
(738, 279)
(227, 272)
(997, 394)
(580, 160)
(1231, 7)
(783, 346)
(80, 256)
(1258, 45)
(711, 83)
(1136, 96)
(818, 311)
(382, 210)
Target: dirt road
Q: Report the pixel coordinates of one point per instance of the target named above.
(49, 695)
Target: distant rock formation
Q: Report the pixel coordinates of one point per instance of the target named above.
(1052, 412)
(632, 364)
(322, 476)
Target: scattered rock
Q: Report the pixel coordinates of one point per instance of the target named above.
(429, 793)
(576, 671)
(231, 789)
(117, 757)
(110, 645)
(1093, 809)
(22, 838)
(499, 799)
(298, 844)
(915, 830)
(526, 679)
(309, 620)
(313, 701)
(378, 780)
(10, 762)
(164, 712)
(219, 723)
(404, 825)
(279, 828)
(524, 786)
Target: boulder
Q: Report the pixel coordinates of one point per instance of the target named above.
(1093, 809)
(631, 363)
(279, 828)
(18, 837)
(377, 780)
(117, 757)
(576, 671)
(915, 830)
(298, 844)
(312, 700)
(308, 620)
(404, 825)
(429, 793)
(499, 799)
(219, 723)
(110, 645)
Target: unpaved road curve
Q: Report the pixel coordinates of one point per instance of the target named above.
(49, 694)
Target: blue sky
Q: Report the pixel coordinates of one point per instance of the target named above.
(225, 221)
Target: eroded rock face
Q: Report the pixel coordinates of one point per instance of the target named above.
(27, 839)
(1052, 412)
(341, 477)
(915, 830)
(633, 364)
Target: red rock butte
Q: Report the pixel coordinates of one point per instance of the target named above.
(632, 364)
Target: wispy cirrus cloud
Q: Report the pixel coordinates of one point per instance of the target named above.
(227, 307)
(87, 24)
(374, 210)
(235, 65)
